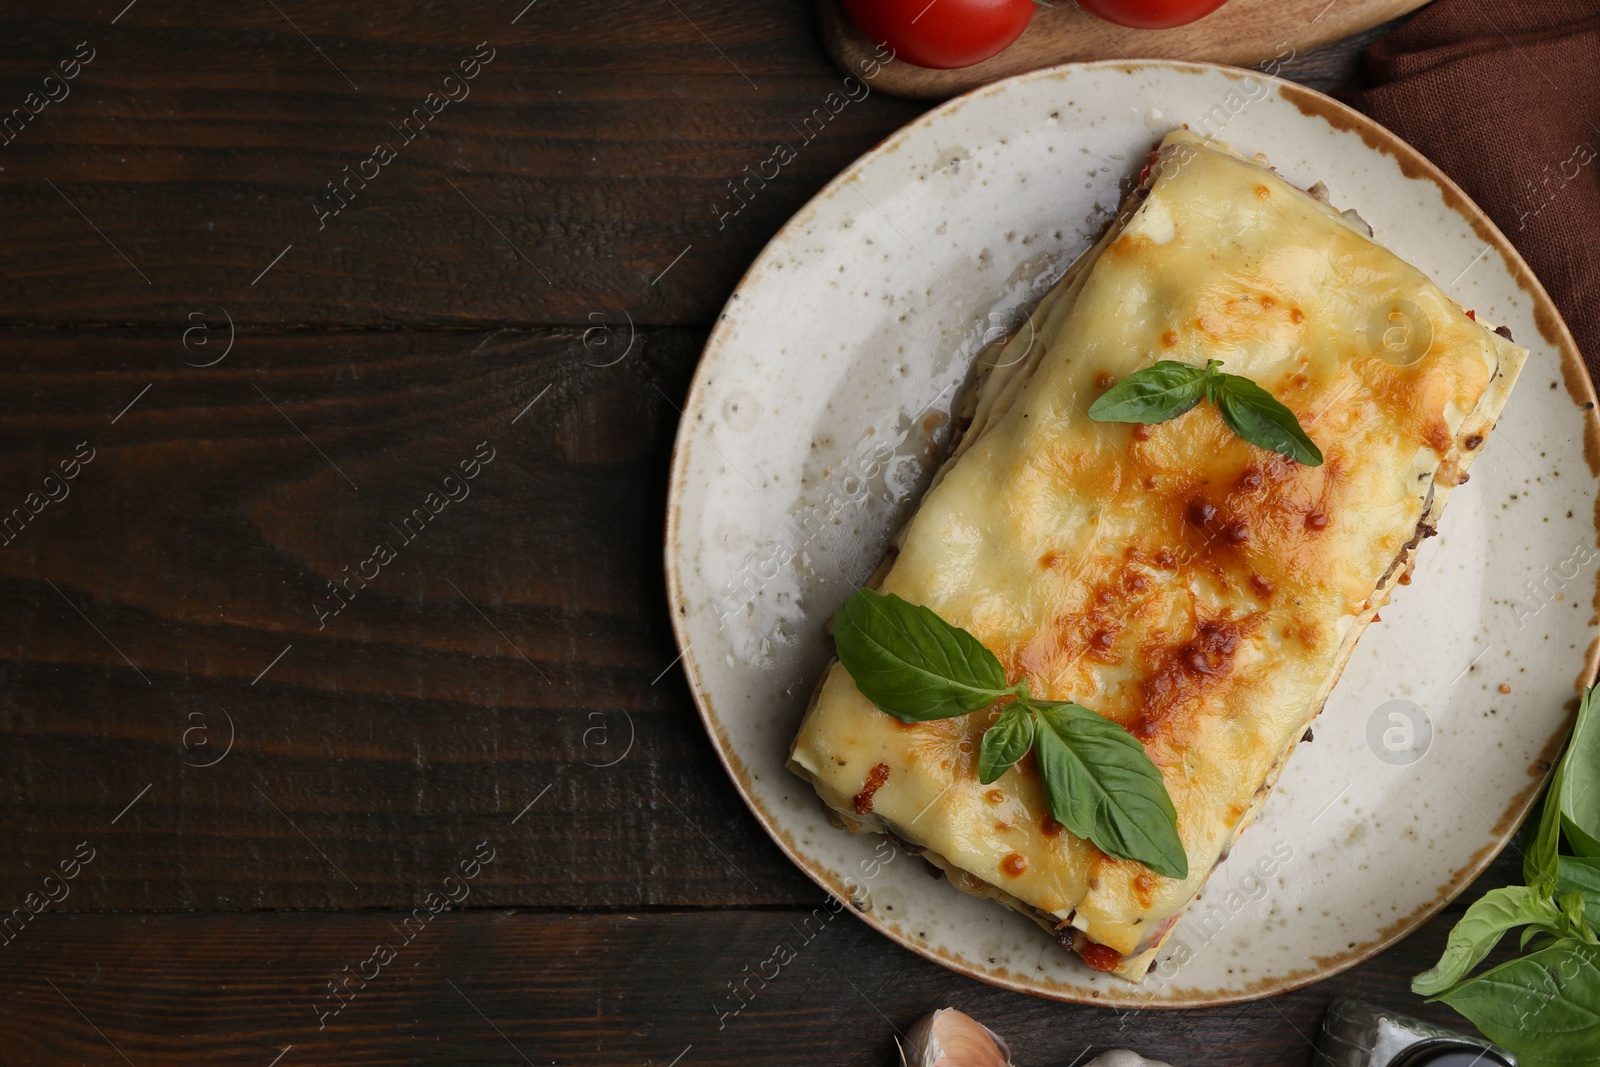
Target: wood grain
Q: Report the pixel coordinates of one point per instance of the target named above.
(620, 988)
(1244, 33)
(517, 644)
(587, 156)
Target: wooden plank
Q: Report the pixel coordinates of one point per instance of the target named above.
(1244, 33)
(515, 645)
(622, 988)
(199, 144)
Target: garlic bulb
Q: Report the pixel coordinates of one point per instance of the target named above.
(950, 1038)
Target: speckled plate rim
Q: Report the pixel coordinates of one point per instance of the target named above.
(1314, 105)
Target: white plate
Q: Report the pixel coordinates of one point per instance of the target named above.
(818, 409)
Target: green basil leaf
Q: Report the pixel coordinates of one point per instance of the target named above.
(1103, 787)
(1580, 875)
(1007, 741)
(1158, 393)
(1544, 1007)
(1574, 922)
(1582, 844)
(1542, 844)
(1554, 933)
(911, 663)
(1580, 781)
(1257, 416)
(1480, 929)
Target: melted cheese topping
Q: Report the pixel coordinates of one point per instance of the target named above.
(1197, 589)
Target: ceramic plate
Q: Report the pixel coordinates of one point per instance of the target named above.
(820, 407)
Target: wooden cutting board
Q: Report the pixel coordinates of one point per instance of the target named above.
(1242, 32)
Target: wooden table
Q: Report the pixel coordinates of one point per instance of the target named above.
(274, 344)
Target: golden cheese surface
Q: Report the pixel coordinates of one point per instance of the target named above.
(1173, 578)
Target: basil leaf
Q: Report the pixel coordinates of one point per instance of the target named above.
(1480, 929)
(1007, 741)
(1158, 393)
(1582, 844)
(1103, 787)
(1539, 855)
(1579, 875)
(1544, 1007)
(1257, 416)
(1554, 933)
(911, 663)
(1580, 782)
(1573, 921)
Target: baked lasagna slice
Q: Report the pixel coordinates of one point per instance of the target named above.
(1197, 589)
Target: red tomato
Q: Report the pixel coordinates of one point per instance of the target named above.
(1150, 14)
(942, 33)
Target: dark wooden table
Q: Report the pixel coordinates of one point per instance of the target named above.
(259, 344)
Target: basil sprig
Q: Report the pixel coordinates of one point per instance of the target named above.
(1168, 388)
(1098, 780)
(1545, 1006)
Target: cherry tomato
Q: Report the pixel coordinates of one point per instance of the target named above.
(942, 34)
(1150, 14)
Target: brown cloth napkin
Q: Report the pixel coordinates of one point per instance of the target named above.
(1504, 95)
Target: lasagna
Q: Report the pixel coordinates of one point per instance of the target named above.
(1200, 591)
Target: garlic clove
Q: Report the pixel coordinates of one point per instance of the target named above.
(951, 1038)
(1123, 1058)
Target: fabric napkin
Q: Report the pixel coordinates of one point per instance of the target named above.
(1504, 95)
